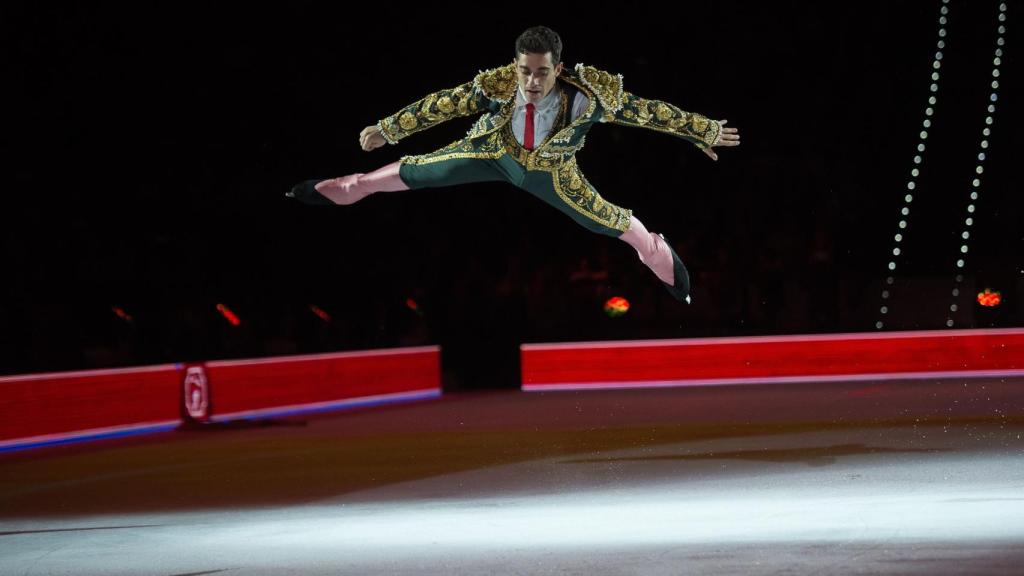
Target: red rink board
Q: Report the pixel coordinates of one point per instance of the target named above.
(773, 359)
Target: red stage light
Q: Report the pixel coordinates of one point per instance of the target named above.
(616, 306)
(320, 312)
(412, 305)
(122, 314)
(989, 299)
(228, 315)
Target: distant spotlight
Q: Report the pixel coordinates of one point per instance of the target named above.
(412, 305)
(989, 299)
(122, 314)
(320, 312)
(616, 306)
(228, 315)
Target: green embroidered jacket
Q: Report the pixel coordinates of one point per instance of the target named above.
(492, 94)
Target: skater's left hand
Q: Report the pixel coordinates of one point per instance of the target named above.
(726, 137)
(371, 138)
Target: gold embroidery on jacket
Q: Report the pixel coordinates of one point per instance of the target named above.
(606, 86)
(498, 83)
(490, 148)
(438, 107)
(665, 117)
(574, 189)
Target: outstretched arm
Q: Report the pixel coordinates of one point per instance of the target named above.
(703, 132)
(726, 137)
(463, 100)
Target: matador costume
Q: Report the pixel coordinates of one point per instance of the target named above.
(493, 150)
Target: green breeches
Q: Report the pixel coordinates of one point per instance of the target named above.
(563, 187)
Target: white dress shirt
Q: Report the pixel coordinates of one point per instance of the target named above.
(544, 114)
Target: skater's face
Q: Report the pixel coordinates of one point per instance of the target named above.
(536, 75)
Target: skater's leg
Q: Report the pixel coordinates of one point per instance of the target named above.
(657, 254)
(652, 249)
(349, 189)
(354, 187)
(433, 170)
(568, 190)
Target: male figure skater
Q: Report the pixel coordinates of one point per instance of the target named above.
(534, 116)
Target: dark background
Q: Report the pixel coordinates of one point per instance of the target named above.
(149, 148)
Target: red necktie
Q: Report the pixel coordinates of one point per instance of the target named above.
(528, 132)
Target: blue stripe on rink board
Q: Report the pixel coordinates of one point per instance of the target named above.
(76, 437)
(329, 406)
(127, 431)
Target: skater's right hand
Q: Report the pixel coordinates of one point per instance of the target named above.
(371, 138)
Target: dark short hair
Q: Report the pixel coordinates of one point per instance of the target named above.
(540, 40)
